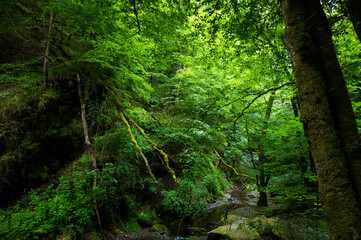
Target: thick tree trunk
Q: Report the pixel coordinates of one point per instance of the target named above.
(341, 210)
(354, 9)
(339, 100)
(303, 163)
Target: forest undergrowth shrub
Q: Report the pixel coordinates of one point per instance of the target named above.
(305, 228)
(216, 185)
(68, 206)
(148, 216)
(188, 200)
(191, 197)
(290, 190)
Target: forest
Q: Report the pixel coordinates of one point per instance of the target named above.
(180, 119)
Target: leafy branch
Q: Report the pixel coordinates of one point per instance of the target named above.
(260, 95)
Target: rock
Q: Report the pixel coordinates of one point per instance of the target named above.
(236, 230)
(160, 228)
(271, 226)
(248, 228)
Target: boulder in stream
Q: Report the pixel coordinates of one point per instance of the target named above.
(159, 228)
(248, 228)
(236, 230)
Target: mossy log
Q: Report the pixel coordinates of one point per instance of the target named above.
(154, 146)
(139, 150)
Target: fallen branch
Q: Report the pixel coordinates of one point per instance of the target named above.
(154, 146)
(132, 139)
(234, 170)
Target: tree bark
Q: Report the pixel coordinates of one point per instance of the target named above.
(48, 44)
(262, 159)
(135, 143)
(88, 145)
(303, 163)
(354, 9)
(339, 100)
(154, 146)
(340, 206)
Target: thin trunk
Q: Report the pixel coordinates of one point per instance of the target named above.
(302, 160)
(262, 159)
(48, 44)
(88, 145)
(340, 207)
(354, 9)
(339, 100)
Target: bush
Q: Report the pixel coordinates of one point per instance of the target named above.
(215, 184)
(189, 200)
(66, 208)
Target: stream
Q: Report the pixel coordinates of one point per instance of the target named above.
(236, 200)
(236, 203)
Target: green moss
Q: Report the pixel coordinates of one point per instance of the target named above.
(132, 225)
(132, 139)
(232, 231)
(159, 228)
(141, 130)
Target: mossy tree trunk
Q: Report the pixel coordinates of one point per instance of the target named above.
(303, 163)
(354, 9)
(339, 100)
(304, 37)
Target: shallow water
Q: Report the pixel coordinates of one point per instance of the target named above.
(235, 200)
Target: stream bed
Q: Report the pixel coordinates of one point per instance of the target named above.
(242, 205)
(235, 200)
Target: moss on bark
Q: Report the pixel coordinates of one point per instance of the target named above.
(341, 210)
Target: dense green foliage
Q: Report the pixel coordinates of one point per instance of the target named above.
(197, 76)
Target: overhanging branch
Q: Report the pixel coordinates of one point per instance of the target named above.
(258, 96)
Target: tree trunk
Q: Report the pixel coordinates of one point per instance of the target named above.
(339, 100)
(341, 210)
(303, 163)
(48, 44)
(88, 145)
(354, 9)
(262, 159)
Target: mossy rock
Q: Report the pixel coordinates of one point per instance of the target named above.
(233, 231)
(159, 228)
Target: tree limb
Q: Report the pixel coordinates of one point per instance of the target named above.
(153, 145)
(260, 95)
(136, 16)
(132, 139)
(234, 170)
